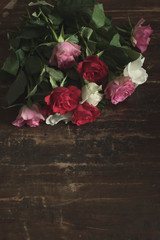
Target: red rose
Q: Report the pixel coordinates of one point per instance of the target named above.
(85, 113)
(93, 69)
(47, 110)
(62, 99)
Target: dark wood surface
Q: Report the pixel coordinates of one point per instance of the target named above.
(100, 181)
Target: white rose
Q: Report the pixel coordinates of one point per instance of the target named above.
(135, 71)
(56, 118)
(90, 93)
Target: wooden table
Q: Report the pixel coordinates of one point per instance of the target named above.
(100, 181)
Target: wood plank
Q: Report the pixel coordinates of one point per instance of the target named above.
(100, 181)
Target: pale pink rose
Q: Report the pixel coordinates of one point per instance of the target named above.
(119, 89)
(30, 116)
(141, 36)
(64, 54)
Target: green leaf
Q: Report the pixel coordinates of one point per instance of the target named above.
(118, 55)
(33, 65)
(111, 76)
(86, 32)
(31, 33)
(131, 53)
(37, 23)
(88, 52)
(17, 88)
(14, 43)
(40, 79)
(35, 15)
(45, 52)
(44, 3)
(92, 46)
(115, 40)
(55, 19)
(56, 75)
(108, 21)
(26, 46)
(110, 62)
(53, 82)
(11, 64)
(73, 74)
(73, 39)
(98, 16)
(63, 82)
(21, 56)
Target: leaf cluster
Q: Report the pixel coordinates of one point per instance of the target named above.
(79, 21)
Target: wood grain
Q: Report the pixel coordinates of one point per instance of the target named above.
(100, 181)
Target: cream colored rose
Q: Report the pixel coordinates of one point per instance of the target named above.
(90, 93)
(135, 71)
(56, 118)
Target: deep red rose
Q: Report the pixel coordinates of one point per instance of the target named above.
(93, 69)
(62, 99)
(85, 113)
(47, 110)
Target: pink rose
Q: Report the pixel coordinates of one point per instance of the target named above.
(30, 116)
(85, 113)
(63, 55)
(141, 36)
(119, 89)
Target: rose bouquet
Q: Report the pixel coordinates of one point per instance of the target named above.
(68, 60)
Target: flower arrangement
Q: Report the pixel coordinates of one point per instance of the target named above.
(68, 60)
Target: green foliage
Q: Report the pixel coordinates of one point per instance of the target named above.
(56, 75)
(21, 56)
(33, 65)
(82, 22)
(115, 40)
(39, 3)
(17, 88)
(86, 32)
(98, 16)
(11, 64)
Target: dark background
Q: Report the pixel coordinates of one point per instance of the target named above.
(100, 181)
